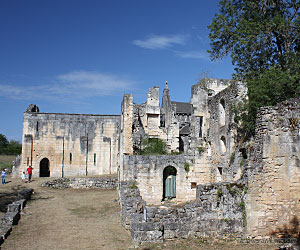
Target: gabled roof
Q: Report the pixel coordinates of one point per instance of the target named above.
(183, 107)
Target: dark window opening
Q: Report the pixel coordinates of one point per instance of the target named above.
(220, 171)
(200, 125)
(181, 145)
(70, 158)
(37, 126)
(244, 153)
(94, 159)
(193, 185)
(27, 161)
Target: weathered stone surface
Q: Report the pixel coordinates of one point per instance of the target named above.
(106, 182)
(219, 209)
(74, 144)
(12, 216)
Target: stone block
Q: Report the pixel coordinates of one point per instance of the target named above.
(14, 207)
(155, 236)
(142, 226)
(10, 218)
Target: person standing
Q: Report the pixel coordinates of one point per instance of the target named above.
(29, 171)
(3, 175)
(23, 177)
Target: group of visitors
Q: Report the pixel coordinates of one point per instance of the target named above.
(29, 171)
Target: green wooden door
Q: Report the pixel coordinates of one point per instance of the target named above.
(170, 186)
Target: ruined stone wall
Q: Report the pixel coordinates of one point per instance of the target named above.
(148, 173)
(74, 144)
(103, 182)
(274, 169)
(222, 136)
(218, 210)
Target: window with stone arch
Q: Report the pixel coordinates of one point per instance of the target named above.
(222, 112)
(223, 144)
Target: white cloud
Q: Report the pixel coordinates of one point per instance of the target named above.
(192, 54)
(161, 41)
(77, 85)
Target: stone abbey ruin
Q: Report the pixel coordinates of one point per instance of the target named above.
(209, 183)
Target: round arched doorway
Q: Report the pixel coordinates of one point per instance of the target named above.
(169, 183)
(44, 168)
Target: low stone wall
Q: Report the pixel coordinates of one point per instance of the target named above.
(105, 182)
(12, 216)
(218, 210)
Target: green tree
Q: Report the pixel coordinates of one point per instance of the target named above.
(3, 143)
(263, 40)
(14, 148)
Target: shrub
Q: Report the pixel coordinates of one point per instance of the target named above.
(187, 167)
(153, 146)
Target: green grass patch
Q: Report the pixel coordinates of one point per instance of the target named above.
(6, 161)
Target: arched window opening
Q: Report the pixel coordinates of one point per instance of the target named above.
(222, 113)
(44, 168)
(181, 144)
(223, 144)
(169, 183)
(209, 148)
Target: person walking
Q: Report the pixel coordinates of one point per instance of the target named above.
(3, 175)
(29, 171)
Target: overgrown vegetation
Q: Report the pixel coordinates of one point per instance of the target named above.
(200, 150)
(243, 208)
(187, 167)
(11, 147)
(133, 185)
(232, 157)
(153, 146)
(263, 39)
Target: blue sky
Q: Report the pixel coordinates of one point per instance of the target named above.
(81, 56)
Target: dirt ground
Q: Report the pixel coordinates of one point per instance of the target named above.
(67, 219)
(84, 219)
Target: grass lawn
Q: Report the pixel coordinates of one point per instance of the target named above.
(6, 161)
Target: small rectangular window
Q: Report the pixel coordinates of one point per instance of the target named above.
(27, 161)
(70, 158)
(193, 185)
(94, 159)
(37, 126)
(200, 125)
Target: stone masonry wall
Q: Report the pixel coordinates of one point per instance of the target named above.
(274, 169)
(147, 171)
(222, 135)
(105, 182)
(218, 211)
(12, 216)
(74, 144)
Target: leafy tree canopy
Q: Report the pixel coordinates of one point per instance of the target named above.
(3, 141)
(9, 147)
(263, 39)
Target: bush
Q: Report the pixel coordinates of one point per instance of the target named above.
(187, 167)
(153, 146)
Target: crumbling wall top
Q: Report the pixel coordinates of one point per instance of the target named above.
(32, 108)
